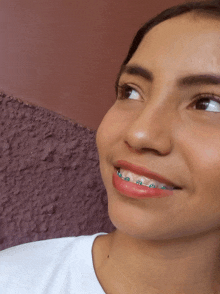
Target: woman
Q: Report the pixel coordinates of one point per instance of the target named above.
(160, 162)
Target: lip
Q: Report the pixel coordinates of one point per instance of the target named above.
(142, 171)
(133, 190)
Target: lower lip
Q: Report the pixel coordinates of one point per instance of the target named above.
(137, 191)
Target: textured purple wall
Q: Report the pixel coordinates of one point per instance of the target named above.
(62, 55)
(50, 183)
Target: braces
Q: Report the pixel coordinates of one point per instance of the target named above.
(139, 182)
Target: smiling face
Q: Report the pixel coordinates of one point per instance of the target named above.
(168, 122)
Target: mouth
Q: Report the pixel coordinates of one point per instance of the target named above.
(141, 176)
(128, 176)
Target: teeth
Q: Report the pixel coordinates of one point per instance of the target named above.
(141, 180)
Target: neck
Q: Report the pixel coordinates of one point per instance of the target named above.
(186, 265)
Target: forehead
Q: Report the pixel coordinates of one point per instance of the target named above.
(186, 43)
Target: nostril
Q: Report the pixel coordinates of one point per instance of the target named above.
(133, 149)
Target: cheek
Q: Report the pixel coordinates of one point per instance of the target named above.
(201, 151)
(105, 132)
(206, 162)
(109, 141)
(111, 130)
(207, 173)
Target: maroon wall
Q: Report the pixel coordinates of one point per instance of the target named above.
(64, 55)
(50, 183)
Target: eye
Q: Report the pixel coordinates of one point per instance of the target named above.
(208, 102)
(127, 92)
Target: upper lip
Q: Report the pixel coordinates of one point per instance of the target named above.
(143, 172)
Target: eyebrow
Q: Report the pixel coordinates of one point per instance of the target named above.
(191, 80)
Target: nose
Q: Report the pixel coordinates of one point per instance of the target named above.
(151, 130)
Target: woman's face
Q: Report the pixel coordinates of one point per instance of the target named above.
(169, 123)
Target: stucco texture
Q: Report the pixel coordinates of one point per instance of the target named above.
(50, 183)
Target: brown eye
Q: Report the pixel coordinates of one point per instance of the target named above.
(127, 92)
(208, 103)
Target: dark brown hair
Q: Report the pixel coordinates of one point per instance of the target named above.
(211, 8)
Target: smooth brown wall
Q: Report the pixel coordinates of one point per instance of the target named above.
(64, 55)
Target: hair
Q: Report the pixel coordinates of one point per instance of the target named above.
(208, 8)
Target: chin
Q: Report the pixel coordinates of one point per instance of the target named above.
(138, 224)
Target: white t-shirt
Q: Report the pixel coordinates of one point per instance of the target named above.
(56, 266)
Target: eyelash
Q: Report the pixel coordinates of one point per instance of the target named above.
(121, 90)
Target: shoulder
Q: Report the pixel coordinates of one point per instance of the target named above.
(40, 251)
(34, 265)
